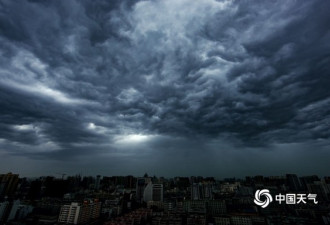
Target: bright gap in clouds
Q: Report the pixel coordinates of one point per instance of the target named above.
(137, 137)
(133, 138)
(23, 127)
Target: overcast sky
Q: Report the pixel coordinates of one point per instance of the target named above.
(168, 87)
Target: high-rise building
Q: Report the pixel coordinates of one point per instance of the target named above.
(69, 213)
(13, 211)
(293, 182)
(153, 192)
(141, 184)
(216, 207)
(8, 184)
(201, 191)
(77, 213)
(305, 180)
(222, 220)
(147, 193)
(3, 210)
(213, 207)
(240, 220)
(23, 211)
(157, 192)
(97, 182)
(320, 188)
(196, 219)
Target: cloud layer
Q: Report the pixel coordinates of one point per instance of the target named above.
(164, 83)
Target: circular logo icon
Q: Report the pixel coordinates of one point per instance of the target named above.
(263, 192)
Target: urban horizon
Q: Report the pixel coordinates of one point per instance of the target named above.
(64, 175)
(150, 200)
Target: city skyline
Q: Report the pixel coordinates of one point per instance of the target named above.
(119, 200)
(172, 88)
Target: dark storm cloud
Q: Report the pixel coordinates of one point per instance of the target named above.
(82, 78)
